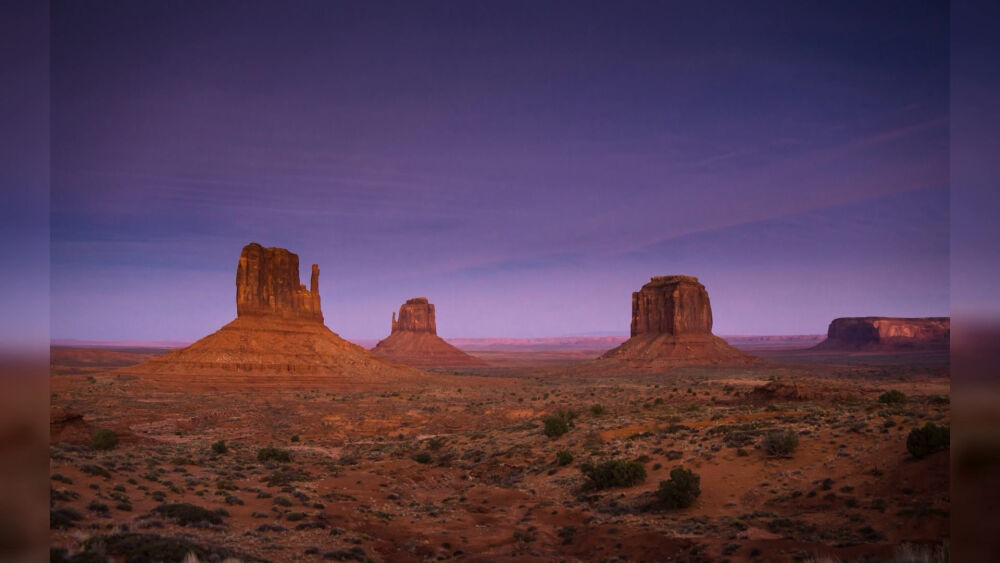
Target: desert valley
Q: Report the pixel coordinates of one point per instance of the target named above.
(274, 439)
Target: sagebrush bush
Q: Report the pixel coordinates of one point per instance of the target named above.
(422, 457)
(184, 513)
(220, 447)
(104, 439)
(680, 491)
(270, 453)
(563, 457)
(613, 473)
(931, 438)
(597, 410)
(780, 443)
(559, 423)
(892, 397)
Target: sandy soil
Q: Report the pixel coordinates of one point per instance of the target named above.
(457, 466)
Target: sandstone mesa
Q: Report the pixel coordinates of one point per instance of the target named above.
(672, 324)
(413, 339)
(881, 333)
(278, 330)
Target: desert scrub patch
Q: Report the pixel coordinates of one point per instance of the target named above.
(286, 476)
(61, 478)
(558, 423)
(186, 514)
(226, 485)
(151, 547)
(62, 518)
(95, 470)
(680, 490)
(422, 457)
(931, 438)
(104, 439)
(613, 473)
(892, 397)
(435, 444)
(597, 410)
(563, 457)
(780, 443)
(271, 453)
(220, 447)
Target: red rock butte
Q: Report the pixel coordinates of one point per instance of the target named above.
(278, 330)
(413, 339)
(672, 324)
(887, 333)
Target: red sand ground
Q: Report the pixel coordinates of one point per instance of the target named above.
(490, 488)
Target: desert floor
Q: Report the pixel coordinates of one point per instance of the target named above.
(458, 466)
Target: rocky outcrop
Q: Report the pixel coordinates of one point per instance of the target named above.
(278, 331)
(672, 323)
(267, 283)
(414, 340)
(416, 315)
(877, 333)
(671, 305)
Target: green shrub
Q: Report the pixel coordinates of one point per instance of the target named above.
(681, 490)
(780, 443)
(614, 473)
(563, 457)
(559, 423)
(922, 442)
(435, 443)
(184, 514)
(597, 410)
(104, 439)
(220, 447)
(273, 453)
(422, 457)
(62, 518)
(892, 397)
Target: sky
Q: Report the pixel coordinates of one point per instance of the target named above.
(524, 165)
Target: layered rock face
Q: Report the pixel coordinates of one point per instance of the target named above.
(887, 333)
(671, 305)
(672, 324)
(278, 330)
(267, 283)
(414, 340)
(416, 315)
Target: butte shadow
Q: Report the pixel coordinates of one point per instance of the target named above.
(672, 326)
(414, 341)
(278, 330)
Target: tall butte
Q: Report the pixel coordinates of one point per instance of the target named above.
(278, 329)
(672, 324)
(414, 340)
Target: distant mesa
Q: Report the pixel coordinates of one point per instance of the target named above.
(278, 330)
(672, 324)
(413, 339)
(887, 333)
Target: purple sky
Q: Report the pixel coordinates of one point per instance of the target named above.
(526, 166)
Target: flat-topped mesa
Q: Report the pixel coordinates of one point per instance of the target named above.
(416, 315)
(672, 325)
(887, 332)
(671, 305)
(267, 283)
